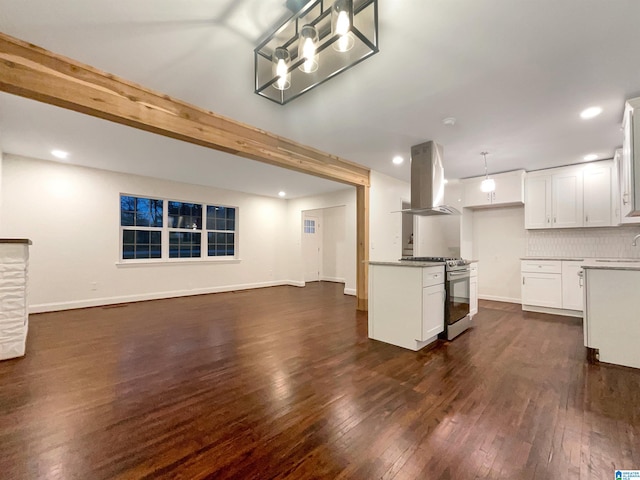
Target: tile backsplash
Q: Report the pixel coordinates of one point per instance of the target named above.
(614, 242)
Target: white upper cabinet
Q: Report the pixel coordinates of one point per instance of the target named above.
(629, 160)
(569, 197)
(597, 188)
(538, 202)
(566, 199)
(509, 190)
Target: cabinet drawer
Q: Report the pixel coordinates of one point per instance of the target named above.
(539, 266)
(432, 276)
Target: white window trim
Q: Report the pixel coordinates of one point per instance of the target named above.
(165, 229)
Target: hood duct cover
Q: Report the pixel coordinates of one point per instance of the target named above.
(427, 181)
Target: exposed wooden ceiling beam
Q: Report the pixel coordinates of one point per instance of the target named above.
(33, 72)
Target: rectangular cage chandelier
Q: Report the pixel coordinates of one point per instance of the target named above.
(325, 38)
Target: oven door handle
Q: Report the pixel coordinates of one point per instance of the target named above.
(458, 274)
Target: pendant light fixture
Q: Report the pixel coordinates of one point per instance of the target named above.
(281, 60)
(322, 39)
(307, 47)
(341, 21)
(488, 184)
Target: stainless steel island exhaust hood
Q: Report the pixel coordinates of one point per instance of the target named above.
(427, 181)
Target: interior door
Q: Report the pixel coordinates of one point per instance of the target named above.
(311, 247)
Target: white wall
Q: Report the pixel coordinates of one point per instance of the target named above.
(345, 198)
(385, 221)
(334, 244)
(72, 215)
(499, 242)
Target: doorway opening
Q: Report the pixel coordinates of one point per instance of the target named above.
(324, 244)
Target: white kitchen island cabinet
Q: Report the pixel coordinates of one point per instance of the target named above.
(612, 322)
(406, 303)
(14, 315)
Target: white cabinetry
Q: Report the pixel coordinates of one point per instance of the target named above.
(569, 197)
(572, 285)
(553, 286)
(406, 304)
(629, 163)
(541, 284)
(432, 311)
(597, 190)
(567, 202)
(509, 190)
(473, 289)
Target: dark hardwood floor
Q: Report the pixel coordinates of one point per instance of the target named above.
(284, 383)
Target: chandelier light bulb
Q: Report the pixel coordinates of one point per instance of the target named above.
(307, 46)
(341, 25)
(281, 66)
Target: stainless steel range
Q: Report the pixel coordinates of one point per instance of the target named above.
(458, 295)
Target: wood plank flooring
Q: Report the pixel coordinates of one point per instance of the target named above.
(283, 382)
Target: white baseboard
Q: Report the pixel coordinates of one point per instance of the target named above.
(350, 291)
(99, 302)
(331, 279)
(552, 311)
(497, 298)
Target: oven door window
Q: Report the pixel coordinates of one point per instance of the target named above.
(458, 298)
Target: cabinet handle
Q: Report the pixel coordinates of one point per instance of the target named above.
(554, 220)
(548, 220)
(586, 219)
(523, 280)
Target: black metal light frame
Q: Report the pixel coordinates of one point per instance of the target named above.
(364, 29)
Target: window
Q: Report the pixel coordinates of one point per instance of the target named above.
(144, 237)
(309, 226)
(168, 229)
(221, 226)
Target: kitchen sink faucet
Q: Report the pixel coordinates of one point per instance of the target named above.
(635, 239)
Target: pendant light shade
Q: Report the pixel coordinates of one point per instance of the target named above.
(281, 59)
(341, 22)
(307, 48)
(488, 184)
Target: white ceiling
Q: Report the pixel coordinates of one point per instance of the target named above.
(514, 73)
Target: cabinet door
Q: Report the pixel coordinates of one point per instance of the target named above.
(432, 311)
(473, 294)
(572, 290)
(508, 190)
(597, 196)
(537, 203)
(474, 196)
(567, 199)
(542, 289)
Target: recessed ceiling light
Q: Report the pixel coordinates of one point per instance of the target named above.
(282, 194)
(590, 157)
(397, 160)
(449, 121)
(60, 154)
(591, 112)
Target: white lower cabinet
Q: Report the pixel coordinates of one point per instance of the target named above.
(553, 286)
(572, 285)
(433, 299)
(542, 289)
(406, 304)
(473, 289)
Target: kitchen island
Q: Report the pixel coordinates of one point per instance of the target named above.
(612, 306)
(406, 302)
